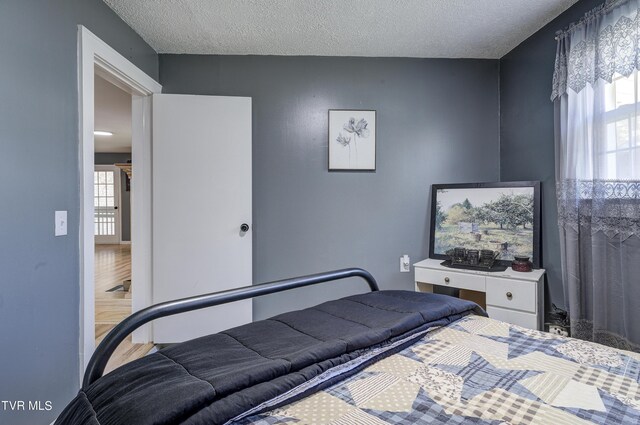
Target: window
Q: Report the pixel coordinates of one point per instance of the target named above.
(104, 202)
(620, 154)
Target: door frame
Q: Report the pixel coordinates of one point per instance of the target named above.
(117, 189)
(97, 57)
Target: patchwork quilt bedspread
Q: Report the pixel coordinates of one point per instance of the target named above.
(482, 371)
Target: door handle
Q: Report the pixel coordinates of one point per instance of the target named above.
(244, 227)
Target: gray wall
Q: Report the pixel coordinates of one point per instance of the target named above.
(104, 158)
(39, 279)
(437, 122)
(526, 129)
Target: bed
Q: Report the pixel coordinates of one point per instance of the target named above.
(376, 358)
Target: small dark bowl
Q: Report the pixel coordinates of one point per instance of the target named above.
(521, 263)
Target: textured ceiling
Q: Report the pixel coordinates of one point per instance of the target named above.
(409, 28)
(112, 113)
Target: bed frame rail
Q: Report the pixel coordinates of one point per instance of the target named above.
(99, 359)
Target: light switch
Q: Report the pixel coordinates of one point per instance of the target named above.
(61, 223)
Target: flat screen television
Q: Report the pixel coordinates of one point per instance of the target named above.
(503, 217)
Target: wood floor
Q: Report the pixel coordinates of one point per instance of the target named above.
(112, 266)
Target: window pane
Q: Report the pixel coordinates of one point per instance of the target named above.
(101, 177)
(622, 134)
(109, 176)
(611, 166)
(611, 136)
(625, 91)
(610, 97)
(623, 165)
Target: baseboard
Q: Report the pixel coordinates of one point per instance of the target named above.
(125, 242)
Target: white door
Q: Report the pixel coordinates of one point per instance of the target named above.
(106, 200)
(201, 197)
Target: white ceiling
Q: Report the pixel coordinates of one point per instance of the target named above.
(112, 113)
(410, 28)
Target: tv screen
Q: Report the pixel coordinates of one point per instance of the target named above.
(503, 217)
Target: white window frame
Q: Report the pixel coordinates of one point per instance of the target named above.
(118, 198)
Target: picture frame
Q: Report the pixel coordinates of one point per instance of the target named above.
(515, 236)
(352, 139)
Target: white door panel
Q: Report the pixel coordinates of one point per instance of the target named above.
(201, 196)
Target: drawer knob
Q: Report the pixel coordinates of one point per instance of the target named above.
(509, 295)
(446, 279)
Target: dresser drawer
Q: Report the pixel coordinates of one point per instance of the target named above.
(512, 294)
(452, 279)
(526, 320)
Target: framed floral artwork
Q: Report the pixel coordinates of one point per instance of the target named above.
(352, 140)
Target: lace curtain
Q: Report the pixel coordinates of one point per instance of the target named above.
(596, 95)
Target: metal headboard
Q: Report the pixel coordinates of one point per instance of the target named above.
(105, 349)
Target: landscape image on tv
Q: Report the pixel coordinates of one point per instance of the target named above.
(496, 218)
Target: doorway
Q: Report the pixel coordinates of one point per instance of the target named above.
(112, 216)
(98, 61)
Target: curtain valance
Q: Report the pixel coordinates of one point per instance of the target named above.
(604, 43)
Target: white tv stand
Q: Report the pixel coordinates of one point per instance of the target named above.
(513, 297)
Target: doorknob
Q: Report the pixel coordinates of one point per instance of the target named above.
(244, 227)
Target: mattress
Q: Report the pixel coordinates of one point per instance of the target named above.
(479, 371)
